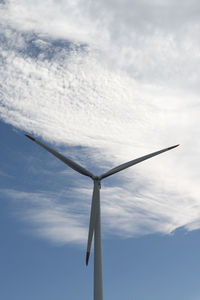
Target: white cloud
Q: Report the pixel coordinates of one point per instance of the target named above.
(121, 82)
(152, 42)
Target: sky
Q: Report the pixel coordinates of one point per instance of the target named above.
(102, 82)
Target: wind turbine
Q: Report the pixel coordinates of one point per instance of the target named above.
(95, 215)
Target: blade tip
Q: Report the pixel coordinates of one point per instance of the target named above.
(172, 147)
(87, 257)
(30, 137)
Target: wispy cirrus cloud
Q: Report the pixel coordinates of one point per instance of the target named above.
(63, 216)
(49, 217)
(121, 81)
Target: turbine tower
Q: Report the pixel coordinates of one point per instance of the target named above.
(95, 213)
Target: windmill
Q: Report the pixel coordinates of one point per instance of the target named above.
(95, 214)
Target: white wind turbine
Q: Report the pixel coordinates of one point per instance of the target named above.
(95, 215)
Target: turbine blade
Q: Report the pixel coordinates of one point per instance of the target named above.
(64, 159)
(92, 220)
(134, 162)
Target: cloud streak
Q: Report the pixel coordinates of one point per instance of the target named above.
(49, 217)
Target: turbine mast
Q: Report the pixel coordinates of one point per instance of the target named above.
(98, 281)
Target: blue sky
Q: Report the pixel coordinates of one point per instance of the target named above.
(154, 266)
(103, 83)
